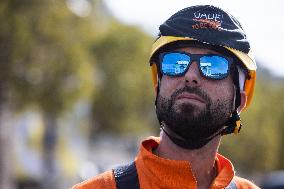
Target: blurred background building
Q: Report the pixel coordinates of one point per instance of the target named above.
(76, 94)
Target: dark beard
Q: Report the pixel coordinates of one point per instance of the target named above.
(188, 121)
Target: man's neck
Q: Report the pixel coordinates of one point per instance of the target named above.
(202, 161)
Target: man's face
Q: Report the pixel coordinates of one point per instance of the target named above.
(193, 106)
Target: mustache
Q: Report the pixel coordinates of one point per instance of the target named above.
(193, 90)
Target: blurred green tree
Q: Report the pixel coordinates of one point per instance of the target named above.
(124, 99)
(44, 62)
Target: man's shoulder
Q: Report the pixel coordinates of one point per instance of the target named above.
(243, 183)
(101, 181)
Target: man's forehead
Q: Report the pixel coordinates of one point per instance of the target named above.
(190, 45)
(198, 50)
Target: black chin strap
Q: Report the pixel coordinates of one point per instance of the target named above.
(188, 143)
(234, 125)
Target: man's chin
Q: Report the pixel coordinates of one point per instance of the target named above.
(188, 108)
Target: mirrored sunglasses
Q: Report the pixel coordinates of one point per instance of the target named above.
(212, 66)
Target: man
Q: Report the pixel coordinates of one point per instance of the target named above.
(204, 77)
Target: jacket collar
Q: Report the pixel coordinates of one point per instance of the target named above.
(157, 172)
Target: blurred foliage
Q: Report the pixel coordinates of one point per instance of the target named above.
(259, 147)
(124, 100)
(45, 62)
(45, 49)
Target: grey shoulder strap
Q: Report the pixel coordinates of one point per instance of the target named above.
(126, 177)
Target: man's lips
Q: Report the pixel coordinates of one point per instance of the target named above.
(190, 96)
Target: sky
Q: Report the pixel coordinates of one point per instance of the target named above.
(262, 21)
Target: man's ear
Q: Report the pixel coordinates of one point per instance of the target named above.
(243, 101)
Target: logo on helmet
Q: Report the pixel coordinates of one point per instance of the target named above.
(209, 16)
(207, 20)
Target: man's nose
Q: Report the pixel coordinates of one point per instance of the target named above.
(192, 76)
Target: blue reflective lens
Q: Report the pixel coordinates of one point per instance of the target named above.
(174, 64)
(211, 65)
(215, 67)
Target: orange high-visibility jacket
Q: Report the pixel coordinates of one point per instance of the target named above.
(158, 173)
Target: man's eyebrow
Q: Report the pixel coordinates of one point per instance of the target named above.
(208, 51)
